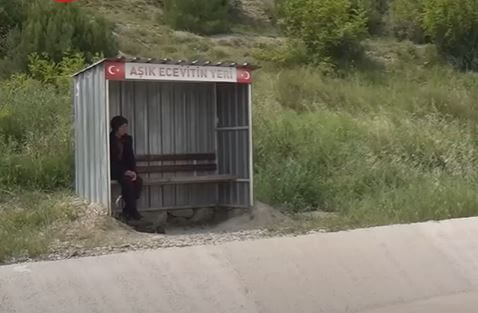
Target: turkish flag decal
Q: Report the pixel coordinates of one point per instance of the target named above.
(115, 70)
(244, 76)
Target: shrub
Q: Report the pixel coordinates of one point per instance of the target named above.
(56, 29)
(43, 69)
(453, 27)
(329, 29)
(406, 20)
(375, 11)
(199, 16)
(35, 136)
(11, 15)
(35, 126)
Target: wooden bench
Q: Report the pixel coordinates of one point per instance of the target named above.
(196, 164)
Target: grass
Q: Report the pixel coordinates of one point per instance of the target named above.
(390, 144)
(27, 221)
(35, 136)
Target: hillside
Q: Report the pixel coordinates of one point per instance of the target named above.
(389, 138)
(141, 31)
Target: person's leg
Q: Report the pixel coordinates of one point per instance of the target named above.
(128, 190)
(138, 186)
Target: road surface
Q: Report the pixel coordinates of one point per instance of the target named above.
(429, 267)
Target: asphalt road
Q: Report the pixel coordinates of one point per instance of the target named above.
(430, 267)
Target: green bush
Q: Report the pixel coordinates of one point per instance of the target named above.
(453, 27)
(11, 15)
(198, 16)
(35, 136)
(45, 70)
(406, 20)
(56, 29)
(376, 11)
(35, 126)
(329, 29)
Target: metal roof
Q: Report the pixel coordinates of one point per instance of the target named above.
(172, 62)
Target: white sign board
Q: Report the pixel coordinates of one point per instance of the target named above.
(168, 72)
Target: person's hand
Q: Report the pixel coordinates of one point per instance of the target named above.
(131, 174)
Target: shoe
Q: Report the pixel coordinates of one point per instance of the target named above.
(160, 230)
(125, 216)
(122, 217)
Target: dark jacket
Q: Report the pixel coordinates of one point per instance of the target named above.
(124, 162)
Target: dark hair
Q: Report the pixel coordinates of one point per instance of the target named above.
(117, 122)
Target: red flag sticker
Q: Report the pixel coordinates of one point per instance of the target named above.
(244, 76)
(64, 1)
(115, 70)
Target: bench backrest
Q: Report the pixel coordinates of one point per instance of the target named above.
(207, 163)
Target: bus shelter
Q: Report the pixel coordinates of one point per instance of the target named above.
(191, 128)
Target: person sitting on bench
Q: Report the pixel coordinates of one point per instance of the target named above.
(123, 166)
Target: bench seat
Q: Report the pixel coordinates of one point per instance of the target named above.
(184, 180)
(188, 163)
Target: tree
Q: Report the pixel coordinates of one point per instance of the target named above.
(329, 29)
(11, 15)
(406, 19)
(56, 29)
(375, 11)
(453, 27)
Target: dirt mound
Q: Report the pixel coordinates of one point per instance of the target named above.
(261, 216)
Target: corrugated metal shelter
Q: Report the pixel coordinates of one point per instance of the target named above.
(191, 126)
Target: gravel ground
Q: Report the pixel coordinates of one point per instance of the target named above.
(66, 250)
(95, 233)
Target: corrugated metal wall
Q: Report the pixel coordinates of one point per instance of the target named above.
(233, 143)
(91, 137)
(169, 118)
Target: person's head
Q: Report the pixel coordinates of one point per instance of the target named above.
(119, 125)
